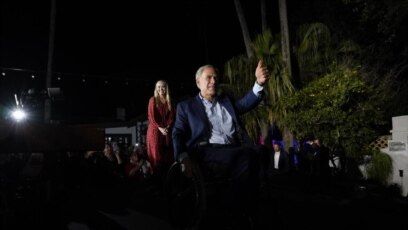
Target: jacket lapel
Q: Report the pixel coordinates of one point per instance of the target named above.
(198, 106)
(224, 101)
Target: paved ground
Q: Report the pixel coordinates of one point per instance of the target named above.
(342, 204)
(291, 203)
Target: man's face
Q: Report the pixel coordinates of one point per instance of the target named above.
(276, 147)
(207, 83)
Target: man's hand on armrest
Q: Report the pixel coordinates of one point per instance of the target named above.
(186, 166)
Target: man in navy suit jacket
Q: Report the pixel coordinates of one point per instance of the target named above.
(208, 125)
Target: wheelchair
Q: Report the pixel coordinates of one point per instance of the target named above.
(186, 196)
(189, 199)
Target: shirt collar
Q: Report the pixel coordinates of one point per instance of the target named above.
(207, 102)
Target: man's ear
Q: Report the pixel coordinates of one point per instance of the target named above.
(197, 84)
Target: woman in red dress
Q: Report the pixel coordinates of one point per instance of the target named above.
(161, 118)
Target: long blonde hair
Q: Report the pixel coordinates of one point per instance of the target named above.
(157, 96)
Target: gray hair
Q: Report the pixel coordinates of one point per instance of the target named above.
(201, 70)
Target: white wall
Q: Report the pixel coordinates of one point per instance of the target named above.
(398, 151)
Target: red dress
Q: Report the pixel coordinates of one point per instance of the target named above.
(159, 146)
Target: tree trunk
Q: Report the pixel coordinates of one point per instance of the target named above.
(244, 28)
(285, 35)
(287, 135)
(263, 16)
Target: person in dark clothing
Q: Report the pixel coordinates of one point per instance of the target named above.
(209, 125)
(278, 161)
(323, 159)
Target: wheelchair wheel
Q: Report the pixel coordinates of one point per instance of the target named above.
(186, 197)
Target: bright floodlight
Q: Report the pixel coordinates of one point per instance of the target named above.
(18, 115)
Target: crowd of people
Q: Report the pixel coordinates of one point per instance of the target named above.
(205, 129)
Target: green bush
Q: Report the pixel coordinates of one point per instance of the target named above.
(380, 168)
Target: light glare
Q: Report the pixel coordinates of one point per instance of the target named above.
(18, 115)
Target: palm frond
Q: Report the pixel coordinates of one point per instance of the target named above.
(240, 75)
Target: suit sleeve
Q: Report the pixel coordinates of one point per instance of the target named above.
(171, 117)
(248, 102)
(180, 131)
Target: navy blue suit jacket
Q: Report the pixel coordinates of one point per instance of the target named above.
(192, 125)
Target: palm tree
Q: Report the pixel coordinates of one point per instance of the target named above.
(280, 63)
(316, 51)
(313, 51)
(240, 74)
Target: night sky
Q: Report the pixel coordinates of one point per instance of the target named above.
(119, 48)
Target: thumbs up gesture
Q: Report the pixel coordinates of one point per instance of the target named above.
(261, 73)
